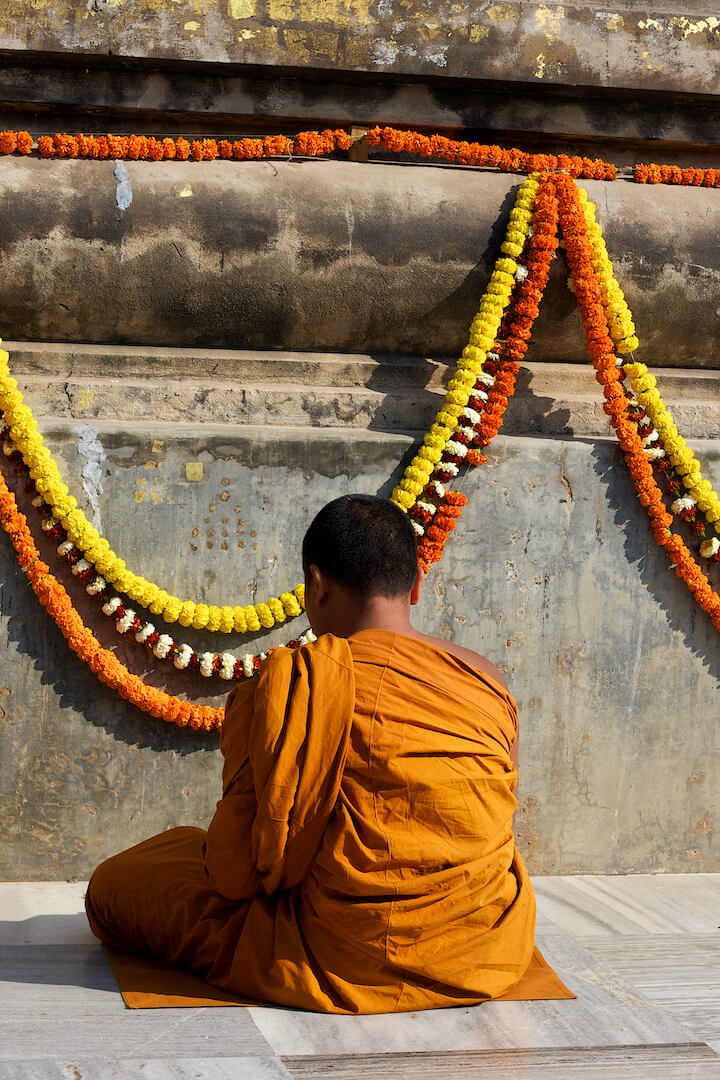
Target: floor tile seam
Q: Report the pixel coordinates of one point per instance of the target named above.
(647, 1050)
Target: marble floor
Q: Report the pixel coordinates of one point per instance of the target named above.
(642, 953)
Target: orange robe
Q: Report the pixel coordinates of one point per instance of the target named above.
(361, 858)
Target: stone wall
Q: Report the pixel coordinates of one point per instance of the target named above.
(552, 573)
(285, 330)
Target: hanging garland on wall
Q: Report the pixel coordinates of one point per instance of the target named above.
(472, 413)
(471, 378)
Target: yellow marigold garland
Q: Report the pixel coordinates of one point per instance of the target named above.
(483, 332)
(681, 457)
(44, 471)
(617, 312)
(644, 384)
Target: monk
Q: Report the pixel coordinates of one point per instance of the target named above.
(361, 858)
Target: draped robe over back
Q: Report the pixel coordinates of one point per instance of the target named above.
(362, 857)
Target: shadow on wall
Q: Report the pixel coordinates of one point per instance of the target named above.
(680, 609)
(460, 307)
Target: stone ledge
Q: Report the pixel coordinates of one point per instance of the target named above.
(73, 360)
(358, 393)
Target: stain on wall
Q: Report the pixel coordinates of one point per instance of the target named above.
(516, 41)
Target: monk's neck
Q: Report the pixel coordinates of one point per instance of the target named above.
(380, 613)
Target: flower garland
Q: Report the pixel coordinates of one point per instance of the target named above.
(470, 371)
(496, 157)
(659, 427)
(46, 475)
(682, 504)
(674, 174)
(319, 143)
(148, 148)
(105, 664)
(648, 410)
(679, 453)
(515, 334)
(588, 291)
(162, 646)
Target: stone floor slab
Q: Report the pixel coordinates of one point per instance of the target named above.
(586, 905)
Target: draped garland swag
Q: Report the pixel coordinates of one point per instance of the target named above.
(547, 205)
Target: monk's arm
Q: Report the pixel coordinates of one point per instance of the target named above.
(228, 848)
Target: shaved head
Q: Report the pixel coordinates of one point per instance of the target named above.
(364, 543)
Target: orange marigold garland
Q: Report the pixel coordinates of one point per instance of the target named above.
(675, 174)
(149, 148)
(506, 160)
(53, 596)
(511, 346)
(600, 346)
(319, 143)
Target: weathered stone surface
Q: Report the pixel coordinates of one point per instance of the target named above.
(519, 41)
(324, 255)
(100, 94)
(552, 573)
(397, 394)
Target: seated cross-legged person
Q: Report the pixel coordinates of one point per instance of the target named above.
(361, 858)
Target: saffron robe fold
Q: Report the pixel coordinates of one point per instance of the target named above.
(361, 858)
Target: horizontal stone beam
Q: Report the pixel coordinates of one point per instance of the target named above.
(325, 256)
(671, 49)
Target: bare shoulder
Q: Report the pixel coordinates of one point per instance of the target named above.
(473, 659)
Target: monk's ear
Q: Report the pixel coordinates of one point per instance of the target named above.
(417, 587)
(319, 583)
